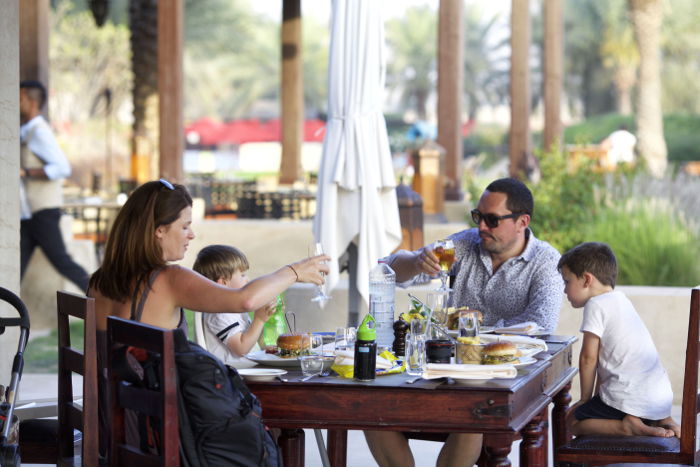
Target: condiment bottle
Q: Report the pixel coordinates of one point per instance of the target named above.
(366, 350)
(400, 331)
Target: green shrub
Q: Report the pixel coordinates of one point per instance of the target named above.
(653, 243)
(565, 200)
(680, 131)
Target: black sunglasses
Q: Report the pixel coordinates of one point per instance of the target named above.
(166, 184)
(491, 220)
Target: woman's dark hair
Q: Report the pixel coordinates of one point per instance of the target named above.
(132, 251)
(594, 258)
(519, 195)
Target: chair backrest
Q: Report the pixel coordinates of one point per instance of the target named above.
(70, 360)
(689, 410)
(160, 403)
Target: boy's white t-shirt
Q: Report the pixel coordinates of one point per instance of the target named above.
(218, 327)
(631, 376)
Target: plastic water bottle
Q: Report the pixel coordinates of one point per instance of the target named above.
(382, 284)
(275, 326)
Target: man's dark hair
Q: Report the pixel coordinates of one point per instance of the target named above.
(35, 90)
(519, 196)
(592, 257)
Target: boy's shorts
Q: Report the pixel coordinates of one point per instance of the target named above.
(596, 408)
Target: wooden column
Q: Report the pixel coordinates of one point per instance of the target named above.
(34, 40)
(519, 87)
(449, 89)
(292, 92)
(170, 96)
(553, 71)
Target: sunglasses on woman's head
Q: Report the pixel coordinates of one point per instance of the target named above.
(491, 220)
(166, 184)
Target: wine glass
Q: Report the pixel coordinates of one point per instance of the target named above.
(316, 249)
(445, 252)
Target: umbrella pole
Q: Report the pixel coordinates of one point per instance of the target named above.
(353, 292)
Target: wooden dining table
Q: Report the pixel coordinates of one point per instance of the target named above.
(504, 410)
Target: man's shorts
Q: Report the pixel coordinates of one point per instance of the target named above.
(596, 408)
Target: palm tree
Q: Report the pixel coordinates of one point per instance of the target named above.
(412, 41)
(646, 17)
(485, 66)
(619, 52)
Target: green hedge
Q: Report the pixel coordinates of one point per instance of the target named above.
(680, 130)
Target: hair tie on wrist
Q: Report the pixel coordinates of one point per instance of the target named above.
(294, 271)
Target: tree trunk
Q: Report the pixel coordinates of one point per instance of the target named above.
(625, 77)
(646, 18)
(143, 25)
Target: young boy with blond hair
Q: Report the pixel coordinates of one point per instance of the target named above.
(230, 336)
(624, 387)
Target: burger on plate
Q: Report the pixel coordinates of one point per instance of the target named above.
(496, 353)
(292, 345)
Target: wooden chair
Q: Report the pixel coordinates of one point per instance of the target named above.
(53, 441)
(160, 403)
(603, 450)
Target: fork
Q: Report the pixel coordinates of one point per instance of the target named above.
(413, 380)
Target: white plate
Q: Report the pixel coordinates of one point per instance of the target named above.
(524, 361)
(261, 374)
(268, 359)
(532, 334)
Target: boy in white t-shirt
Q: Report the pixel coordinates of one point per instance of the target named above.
(624, 387)
(230, 336)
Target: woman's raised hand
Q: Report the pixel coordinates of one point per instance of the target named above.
(312, 269)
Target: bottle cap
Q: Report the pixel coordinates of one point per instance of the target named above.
(367, 330)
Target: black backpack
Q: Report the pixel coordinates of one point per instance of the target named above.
(220, 419)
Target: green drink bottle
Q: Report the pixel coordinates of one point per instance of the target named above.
(276, 325)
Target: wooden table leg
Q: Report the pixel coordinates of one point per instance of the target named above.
(560, 433)
(533, 447)
(338, 447)
(497, 448)
(291, 441)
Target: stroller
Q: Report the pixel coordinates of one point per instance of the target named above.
(9, 444)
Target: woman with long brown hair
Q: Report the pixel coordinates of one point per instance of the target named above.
(137, 281)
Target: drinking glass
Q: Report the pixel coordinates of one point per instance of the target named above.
(311, 365)
(324, 351)
(316, 249)
(312, 361)
(415, 353)
(437, 302)
(468, 323)
(445, 252)
(345, 338)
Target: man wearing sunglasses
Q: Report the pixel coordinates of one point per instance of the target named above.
(501, 269)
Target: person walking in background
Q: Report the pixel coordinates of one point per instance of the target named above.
(43, 166)
(230, 336)
(624, 387)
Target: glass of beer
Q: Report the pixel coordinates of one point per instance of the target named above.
(445, 252)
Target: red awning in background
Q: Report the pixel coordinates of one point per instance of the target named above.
(213, 133)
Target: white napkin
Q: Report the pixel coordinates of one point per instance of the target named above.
(469, 371)
(528, 346)
(344, 357)
(527, 328)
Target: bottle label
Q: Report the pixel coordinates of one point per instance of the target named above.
(363, 349)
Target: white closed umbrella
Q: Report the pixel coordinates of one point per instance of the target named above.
(356, 199)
